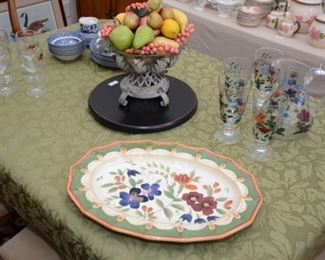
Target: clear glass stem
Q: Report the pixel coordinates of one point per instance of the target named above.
(229, 129)
(261, 147)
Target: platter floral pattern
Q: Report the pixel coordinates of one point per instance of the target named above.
(164, 191)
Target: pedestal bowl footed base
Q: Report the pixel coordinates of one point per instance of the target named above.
(142, 115)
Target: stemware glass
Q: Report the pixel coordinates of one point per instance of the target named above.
(264, 72)
(200, 4)
(266, 117)
(5, 89)
(31, 55)
(234, 87)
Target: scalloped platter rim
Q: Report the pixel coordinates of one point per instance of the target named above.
(164, 191)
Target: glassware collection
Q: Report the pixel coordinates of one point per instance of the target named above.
(30, 55)
(280, 104)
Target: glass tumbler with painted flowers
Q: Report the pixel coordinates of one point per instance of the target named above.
(293, 78)
(234, 87)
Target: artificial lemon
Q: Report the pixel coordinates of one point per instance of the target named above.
(170, 28)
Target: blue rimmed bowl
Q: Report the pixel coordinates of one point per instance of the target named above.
(67, 45)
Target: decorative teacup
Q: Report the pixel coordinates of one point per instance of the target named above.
(316, 36)
(88, 25)
(288, 27)
(274, 18)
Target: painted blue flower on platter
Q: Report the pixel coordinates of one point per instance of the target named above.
(199, 221)
(132, 172)
(212, 218)
(133, 198)
(153, 190)
(186, 217)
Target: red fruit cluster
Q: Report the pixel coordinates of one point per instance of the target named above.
(134, 6)
(154, 48)
(182, 37)
(106, 30)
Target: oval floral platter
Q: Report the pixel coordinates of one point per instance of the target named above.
(164, 191)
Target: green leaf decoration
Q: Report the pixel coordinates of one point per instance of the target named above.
(210, 191)
(167, 169)
(181, 187)
(139, 213)
(154, 164)
(170, 189)
(158, 181)
(169, 194)
(112, 189)
(197, 179)
(160, 203)
(192, 173)
(139, 181)
(221, 199)
(107, 185)
(120, 172)
(169, 214)
(178, 206)
(132, 182)
(162, 166)
(221, 211)
(112, 173)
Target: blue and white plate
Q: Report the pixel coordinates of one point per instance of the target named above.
(107, 64)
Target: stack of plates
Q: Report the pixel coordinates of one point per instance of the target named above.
(101, 57)
(266, 5)
(66, 45)
(249, 16)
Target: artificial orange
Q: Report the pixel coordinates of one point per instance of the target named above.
(170, 28)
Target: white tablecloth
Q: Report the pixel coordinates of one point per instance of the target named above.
(223, 37)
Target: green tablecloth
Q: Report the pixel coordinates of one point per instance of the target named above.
(40, 139)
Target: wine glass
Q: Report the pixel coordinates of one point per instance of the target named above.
(264, 72)
(266, 117)
(5, 89)
(234, 87)
(30, 55)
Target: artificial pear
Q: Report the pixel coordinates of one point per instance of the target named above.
(121, 37)
(167, 13)
(154, 20)
(143, 35)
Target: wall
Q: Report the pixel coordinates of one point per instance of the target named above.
(37, 10)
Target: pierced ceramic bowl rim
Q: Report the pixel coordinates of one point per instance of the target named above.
(254, 209)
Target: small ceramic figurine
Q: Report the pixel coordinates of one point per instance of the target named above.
(289, 26)
(316, 36)
(274, 18)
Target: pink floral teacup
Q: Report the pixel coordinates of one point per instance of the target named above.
(316, 35)
(288, 28)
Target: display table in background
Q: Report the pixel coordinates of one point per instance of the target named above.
(42, 137)
(222, 37)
